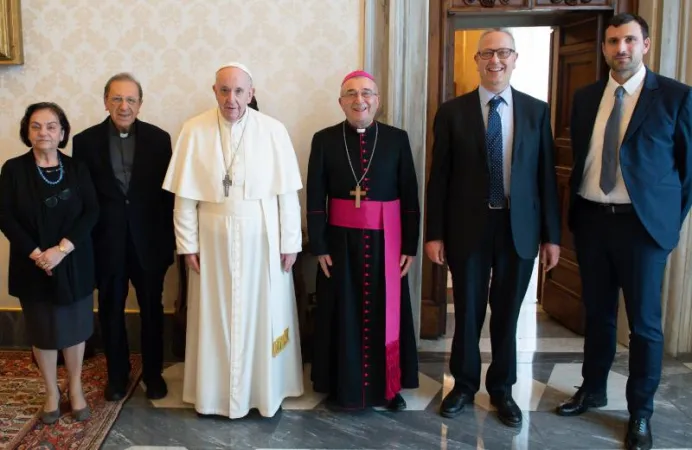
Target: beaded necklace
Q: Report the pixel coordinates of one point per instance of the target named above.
(60, 169)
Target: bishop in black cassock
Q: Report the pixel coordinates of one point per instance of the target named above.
(363, 224)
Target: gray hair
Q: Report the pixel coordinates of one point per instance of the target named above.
(122, 76)
(496, 30)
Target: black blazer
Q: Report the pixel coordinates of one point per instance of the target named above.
(146, 210)
(28, 224)
(655, 155)
(457, 198)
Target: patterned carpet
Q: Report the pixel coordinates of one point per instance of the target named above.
(22, 397)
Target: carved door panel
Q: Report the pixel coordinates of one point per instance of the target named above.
(577, 61)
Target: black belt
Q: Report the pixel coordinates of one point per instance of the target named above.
(608, 208)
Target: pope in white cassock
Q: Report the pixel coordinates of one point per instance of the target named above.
(236, 179)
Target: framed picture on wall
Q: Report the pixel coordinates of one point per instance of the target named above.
(11, 49)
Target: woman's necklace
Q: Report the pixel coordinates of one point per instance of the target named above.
(60, 169)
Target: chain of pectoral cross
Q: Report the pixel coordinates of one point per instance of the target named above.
(226, 181)
(357, 192)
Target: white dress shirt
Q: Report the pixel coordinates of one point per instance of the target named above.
(506, 111)
(590, 187)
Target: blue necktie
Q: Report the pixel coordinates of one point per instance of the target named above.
(493, 144)
(611, 138)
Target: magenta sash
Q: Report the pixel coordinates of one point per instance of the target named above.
(384, 216)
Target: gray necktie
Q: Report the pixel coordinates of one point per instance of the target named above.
(611, 138)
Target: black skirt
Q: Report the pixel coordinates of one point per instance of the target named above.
(55, 327)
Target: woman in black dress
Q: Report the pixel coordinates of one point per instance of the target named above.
(48, 207)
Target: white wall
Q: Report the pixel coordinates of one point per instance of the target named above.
(532, 72)
(298, 52)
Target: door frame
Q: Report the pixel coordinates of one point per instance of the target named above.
(444, 19)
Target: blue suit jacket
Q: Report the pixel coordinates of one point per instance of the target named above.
(655, 155)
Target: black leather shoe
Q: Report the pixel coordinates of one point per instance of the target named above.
(115, 392)
(156, 388)
(397, 403)
(638, 435)
(507, 410)
(580, 402)
(453, 404)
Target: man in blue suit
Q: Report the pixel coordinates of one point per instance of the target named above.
(630, 189)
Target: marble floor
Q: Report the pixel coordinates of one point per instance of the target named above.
(549, 365)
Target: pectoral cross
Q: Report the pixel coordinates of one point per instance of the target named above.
(358, 194)
(226, 184)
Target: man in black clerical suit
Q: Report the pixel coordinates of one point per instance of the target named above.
(133, 239)
(363, 225)
(492, 203)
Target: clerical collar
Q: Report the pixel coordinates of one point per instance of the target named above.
(116, 132)
(367, 129)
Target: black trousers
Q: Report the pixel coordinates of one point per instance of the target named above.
(615, 251)
(473, 289)
(113, 292)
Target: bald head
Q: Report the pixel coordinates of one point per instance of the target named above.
(508, 34)
(233, 90)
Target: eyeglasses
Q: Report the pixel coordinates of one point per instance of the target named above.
(118, 100)
(52, 201)
(502, 53)
(352, 94)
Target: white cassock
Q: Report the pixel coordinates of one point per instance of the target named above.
(242, 346)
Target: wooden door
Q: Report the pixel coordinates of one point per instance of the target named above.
(577, 61)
